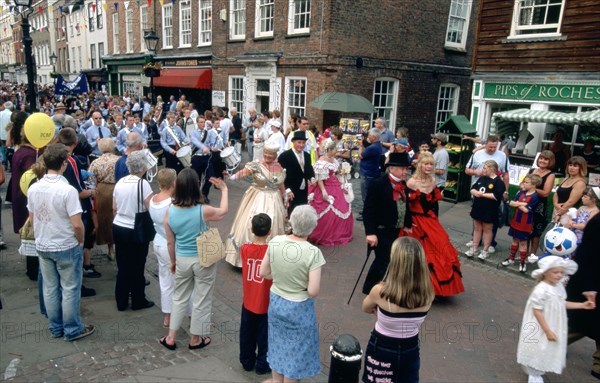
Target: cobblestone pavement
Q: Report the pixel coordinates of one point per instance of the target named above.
(468, 338)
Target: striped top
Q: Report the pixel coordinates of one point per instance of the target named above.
(399, 325)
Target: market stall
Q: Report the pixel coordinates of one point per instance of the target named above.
(581, 126)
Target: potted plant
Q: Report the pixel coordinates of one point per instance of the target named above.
(152, 69)
(53, 75)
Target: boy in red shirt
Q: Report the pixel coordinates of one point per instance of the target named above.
(254, 323)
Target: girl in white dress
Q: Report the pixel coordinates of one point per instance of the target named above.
(543, 338)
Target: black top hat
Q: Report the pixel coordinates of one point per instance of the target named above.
(398, 159)
(299, 135)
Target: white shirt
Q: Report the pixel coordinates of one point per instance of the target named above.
(279, 139)
(53, 202)
(4, 120)
(125, 199)
(225, 124)
(478, 160)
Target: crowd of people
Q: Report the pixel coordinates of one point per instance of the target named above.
(91, 178)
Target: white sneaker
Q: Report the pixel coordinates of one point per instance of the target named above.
(483, 255)
(533, 258)
(508, 262)
(491, 250)
(522, 267)
(470, 253)
(469, 244)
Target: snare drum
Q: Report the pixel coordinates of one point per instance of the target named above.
(230, 158)
(184, 155)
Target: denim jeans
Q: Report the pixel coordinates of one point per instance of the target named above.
(62, 272)
(40, 283)
(392, 358)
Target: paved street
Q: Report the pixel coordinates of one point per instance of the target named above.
(468, 338)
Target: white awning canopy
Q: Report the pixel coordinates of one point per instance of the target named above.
(589, 118)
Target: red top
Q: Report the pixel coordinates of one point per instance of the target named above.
(256, 289)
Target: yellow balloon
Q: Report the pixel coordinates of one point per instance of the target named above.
(39, 129)
(25, 180)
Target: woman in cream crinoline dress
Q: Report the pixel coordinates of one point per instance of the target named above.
(263, 196)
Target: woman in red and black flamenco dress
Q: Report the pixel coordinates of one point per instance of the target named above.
(442, 257)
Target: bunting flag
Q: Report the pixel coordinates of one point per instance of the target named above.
(50, 8)
(126, 4)
(117, 7)
(93, 8)
(11, 7)
(41, 9)
(70, 9)
(149, 3)
(60, 9)
(173, 2)
(138, 3)
(161, 2)
(104, 5)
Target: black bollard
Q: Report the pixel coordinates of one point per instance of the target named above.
(346, 357)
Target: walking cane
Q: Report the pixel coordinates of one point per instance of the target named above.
(369, 249)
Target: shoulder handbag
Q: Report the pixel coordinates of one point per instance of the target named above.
(210, 246)
(143, 227)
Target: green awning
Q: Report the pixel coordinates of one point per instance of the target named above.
(589, 118)
(457, 124)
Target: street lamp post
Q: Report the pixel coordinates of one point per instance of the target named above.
(53, 61)
(27, 41)
(151, 40)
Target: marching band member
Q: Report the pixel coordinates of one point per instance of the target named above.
(201, 157)
(216, 144)
(172, 139)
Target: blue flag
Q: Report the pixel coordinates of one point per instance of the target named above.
(79, 85)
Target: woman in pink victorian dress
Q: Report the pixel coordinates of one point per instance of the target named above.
(330, 198)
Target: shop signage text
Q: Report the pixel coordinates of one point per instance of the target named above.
(586, 94)
(185, 63)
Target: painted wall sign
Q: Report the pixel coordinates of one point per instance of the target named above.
(583, 94)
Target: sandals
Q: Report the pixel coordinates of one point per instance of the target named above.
(163, 341)
(205, 342)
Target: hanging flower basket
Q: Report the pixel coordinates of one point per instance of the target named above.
(53, 75)
(151, 72)
(152, 69)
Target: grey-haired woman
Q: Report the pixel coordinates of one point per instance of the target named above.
(130, 254)
(294, 265)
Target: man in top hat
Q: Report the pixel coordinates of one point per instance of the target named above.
(385, 213)
(299, 171)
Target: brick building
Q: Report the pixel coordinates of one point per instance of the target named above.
(410, 58)
(127, 23)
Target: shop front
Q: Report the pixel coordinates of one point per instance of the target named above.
(531, 113)
(97, 78)
(124, 74)
(191, 77)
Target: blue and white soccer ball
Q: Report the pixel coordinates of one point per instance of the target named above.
(560, 241)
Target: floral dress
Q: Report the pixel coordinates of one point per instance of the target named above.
(103, 169)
